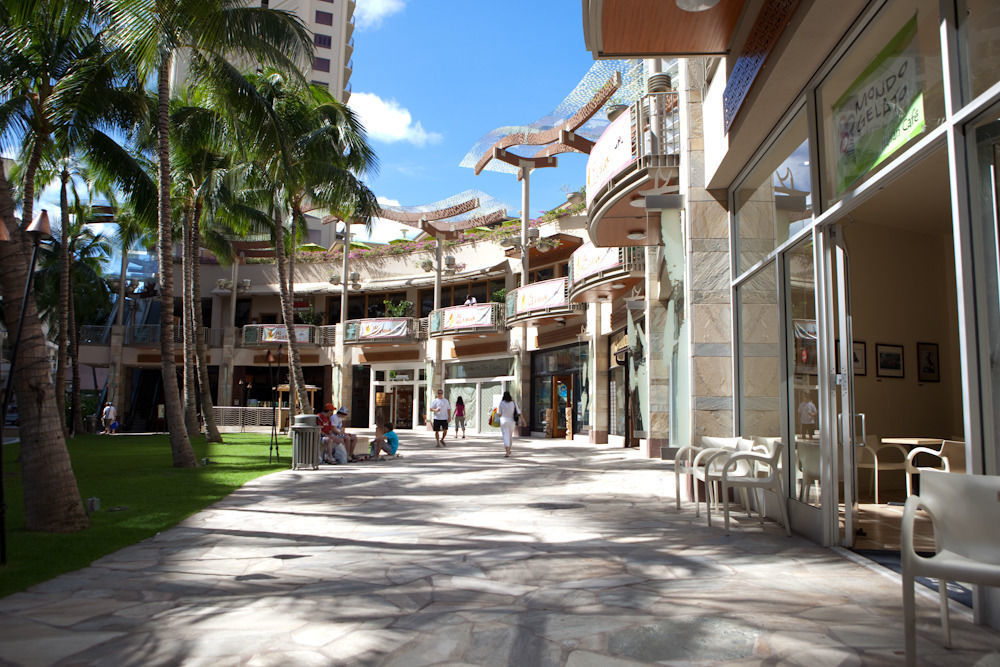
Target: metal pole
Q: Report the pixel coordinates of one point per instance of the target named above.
(525, 175)
(7, 391)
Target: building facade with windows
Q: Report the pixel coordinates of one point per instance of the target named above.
(836, 199)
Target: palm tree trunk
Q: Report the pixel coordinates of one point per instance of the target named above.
(287, 314)
(180, 443)
(187, 328)
(51, 498)
(76, 422)
(201, 357)
(64, 299)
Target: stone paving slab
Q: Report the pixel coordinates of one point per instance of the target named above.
(565, 554)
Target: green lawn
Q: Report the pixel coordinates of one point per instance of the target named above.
(140, 493)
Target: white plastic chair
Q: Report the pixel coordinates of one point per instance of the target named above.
(692, 461)
(764, 473)
(965, 513)
(877, 457)
(807, 460)
(951, 456)
(711, 474)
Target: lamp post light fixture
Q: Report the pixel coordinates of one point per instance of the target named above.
(38, 230)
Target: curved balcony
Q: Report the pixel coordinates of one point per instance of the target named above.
(604, 274)
(379, 330)
(264, 335)
(545, 299)
(638, 155)
(477, 320)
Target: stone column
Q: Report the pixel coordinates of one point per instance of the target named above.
(599, 373)
(707, 271)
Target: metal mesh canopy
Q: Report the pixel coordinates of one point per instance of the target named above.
(487, 204)
(633, 86)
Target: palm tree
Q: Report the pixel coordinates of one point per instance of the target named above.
(52, 71)
(90, 296)
(309, 153)
(211, 32)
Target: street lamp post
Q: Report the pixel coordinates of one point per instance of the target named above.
(273, 444)
(38, 229)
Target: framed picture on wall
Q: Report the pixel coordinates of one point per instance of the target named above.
(860, 358)
(888, 360)
(928, 363)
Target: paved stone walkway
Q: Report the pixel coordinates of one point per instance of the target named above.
(565, 554)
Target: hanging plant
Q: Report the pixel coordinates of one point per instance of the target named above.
(427, 265)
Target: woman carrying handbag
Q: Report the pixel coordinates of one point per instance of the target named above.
(510, 416)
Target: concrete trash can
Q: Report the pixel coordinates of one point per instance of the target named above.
(90, 422)
(305, 442)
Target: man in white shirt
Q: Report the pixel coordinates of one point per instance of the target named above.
(441, 413)
(108, 416)
(340, 434)
(470, 300)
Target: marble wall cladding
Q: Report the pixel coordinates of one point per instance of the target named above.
(761, 377)
(759, 323)
(712, 376)
(709, 220)
(712, 422)
(711, 322)
(710, 270)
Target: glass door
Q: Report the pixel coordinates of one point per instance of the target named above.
(403, 406)
(562, 392)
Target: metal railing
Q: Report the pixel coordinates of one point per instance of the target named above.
(655, 137)
(481, 318)
(375, 330)
(91, 334)
(266, 334)
(590, 266)
(547, 298)
(326, 335)
(238, 418)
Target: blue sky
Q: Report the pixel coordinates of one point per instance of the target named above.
(433, 76)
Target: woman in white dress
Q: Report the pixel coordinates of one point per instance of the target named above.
(506, 411)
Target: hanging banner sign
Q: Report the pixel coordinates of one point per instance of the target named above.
(462, 317)
(276, 333)
(392, 327)
(611, 153)
(882, 110)
(588, 260)
(539, 296)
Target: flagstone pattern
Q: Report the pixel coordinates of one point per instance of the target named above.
(565, 554)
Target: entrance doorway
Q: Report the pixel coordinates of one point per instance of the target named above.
(562, 393)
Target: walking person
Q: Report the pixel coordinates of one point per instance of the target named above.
(109, 416)
(510, 416)
(459, 416)
(440, 413)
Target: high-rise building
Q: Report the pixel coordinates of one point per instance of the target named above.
(331, 23)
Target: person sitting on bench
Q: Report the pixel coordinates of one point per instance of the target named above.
(385, 440)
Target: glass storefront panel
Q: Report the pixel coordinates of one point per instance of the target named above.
(800, 292)
(760, 382)
(884, 94)
(616, 401)
(490, 394)
(985, 190)
(981, 20)
(486, 368)
(775, 200)
(468, 394)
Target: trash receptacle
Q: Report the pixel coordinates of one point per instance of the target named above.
(90, 423)
(305, 442)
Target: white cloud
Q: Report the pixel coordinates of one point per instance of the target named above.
(370, 13)
(385, 201)
(386, 121)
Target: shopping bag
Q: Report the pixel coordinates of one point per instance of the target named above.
(494, 418)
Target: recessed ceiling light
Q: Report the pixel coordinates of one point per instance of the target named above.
(696, 5)
(482, 335)
(636, 234)
(617, 285)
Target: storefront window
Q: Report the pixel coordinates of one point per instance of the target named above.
(800, 290)
(884, 94)
(558, 382)
(982, 34)
(986, 211)
(775, 200)
(760, 380)
(487, 368)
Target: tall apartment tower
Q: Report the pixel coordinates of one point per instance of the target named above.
(331, 23)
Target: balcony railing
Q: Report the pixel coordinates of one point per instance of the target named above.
(590, 267)
(548, 298)
(267, 334)
(655, 142)
(376, 330)
(94, 335)
(481, 318)
(326, 335)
